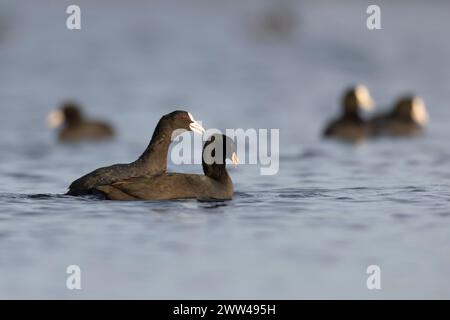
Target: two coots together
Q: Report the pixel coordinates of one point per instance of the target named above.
(147, 179)
(408, 117)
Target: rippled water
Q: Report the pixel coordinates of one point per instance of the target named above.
(308, 232)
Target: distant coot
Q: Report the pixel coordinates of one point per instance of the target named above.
(75, 127)
(350, 126)
(215, 184)
(408, 117)
(152, 161)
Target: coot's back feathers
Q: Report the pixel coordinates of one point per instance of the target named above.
(168, 186)
(85, 184)
(349, 129)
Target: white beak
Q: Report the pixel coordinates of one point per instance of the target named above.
(364, 98)
(55, 119)
(235, 159)
(419, 112)
(196, 127)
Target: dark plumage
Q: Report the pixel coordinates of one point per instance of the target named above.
(350, 126)
(216, 184)
(408, 118)
(152, 161)
(75, 127)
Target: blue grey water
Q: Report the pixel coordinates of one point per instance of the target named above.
(309, 231)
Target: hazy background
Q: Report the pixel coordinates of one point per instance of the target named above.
(308, 232)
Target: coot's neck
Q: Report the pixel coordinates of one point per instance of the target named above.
(352, 114)
(154, 158)
(351, 107)
(216, 171)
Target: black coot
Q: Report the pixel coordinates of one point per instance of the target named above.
(152, 161)
(75, 127)
(350, 126)
(408, 118)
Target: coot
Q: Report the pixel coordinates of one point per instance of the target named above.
(350, 126)
(408, 118)
(152, 161)
(75, 127)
